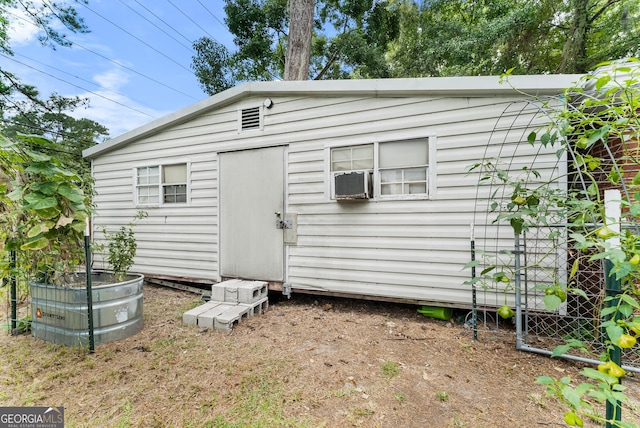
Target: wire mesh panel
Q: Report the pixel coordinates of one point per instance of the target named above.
(513, 173)
(539, 192)
(578, 319)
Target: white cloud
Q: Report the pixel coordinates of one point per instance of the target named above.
(112, 79)
(21, 30)
(119, 114)
(110, 108)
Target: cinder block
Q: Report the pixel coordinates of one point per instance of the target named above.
(208, 318)
(252, 291)
(231, 317)
(262, 306)
(230, 301)
(219, 290)
(226, 326)
(191, 316)
(257, 308)
(231, 294)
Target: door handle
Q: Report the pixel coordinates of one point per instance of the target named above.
(282, 224)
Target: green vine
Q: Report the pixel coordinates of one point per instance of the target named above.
(599, 131)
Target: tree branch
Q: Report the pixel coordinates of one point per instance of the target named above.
(327, 65)
(602, 10)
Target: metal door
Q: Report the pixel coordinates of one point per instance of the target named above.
(251, 190)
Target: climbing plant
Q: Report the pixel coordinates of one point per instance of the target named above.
(43, 211)
(597, 129)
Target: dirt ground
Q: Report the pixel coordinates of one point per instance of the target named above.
(307, 362)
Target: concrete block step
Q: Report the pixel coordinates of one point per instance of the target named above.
(257, 308)
(252, 291)
(219, 291)
(191, 316)
(239, 291)
(231, 317)
(224, 315)
(208, 319)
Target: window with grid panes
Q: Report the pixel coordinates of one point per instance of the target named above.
(161, 184)
(401, 167)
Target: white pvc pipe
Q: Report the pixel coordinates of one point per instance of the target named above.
(613, 212)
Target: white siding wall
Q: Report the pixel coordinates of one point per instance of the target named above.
(413, 249)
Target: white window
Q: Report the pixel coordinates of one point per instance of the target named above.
(174, 184)
(161, 184)
(147, 189)
(402, 169)
(352, 158)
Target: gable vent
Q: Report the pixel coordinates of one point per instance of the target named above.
(250, 118)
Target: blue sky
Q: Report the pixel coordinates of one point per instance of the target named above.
(134, 65)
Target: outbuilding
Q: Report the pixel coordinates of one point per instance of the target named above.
(355, 188)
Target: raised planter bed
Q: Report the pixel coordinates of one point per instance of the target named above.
(59, 313)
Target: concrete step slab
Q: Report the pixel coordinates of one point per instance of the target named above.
(231, 317)
(207, 319)
(191, 316)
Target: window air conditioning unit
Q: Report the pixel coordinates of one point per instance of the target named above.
(352, 185)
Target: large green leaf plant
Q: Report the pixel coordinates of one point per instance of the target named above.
(43, 212)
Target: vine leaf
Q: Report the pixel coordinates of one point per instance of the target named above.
(38, 244)
(472, 263)
(574, 268)
(614, 332)
(552, 302)
(564, 348)
(517, 224)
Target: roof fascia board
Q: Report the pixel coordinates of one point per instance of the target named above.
(467, 86)
(155, 126)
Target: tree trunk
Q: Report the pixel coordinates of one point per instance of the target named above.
(575, 47)
(296, 65)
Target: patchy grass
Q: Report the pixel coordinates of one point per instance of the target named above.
(390, 369)
(443, 395)
(332, 363)
(399, 397)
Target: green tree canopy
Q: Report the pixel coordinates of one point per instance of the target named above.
(47, 16)
(350, 40)
(482, 37)
(65, 137)
(402, 38)
(23, 110)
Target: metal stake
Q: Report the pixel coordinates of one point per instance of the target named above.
(14, 288)
(87, 254)
(473, 286)
(518, 296)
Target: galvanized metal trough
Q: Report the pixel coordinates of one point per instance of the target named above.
(59, 313)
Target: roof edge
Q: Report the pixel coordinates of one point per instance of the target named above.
(533, 85)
